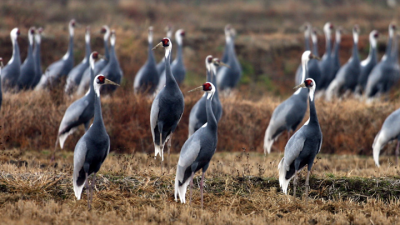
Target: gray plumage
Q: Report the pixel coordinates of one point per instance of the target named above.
(289, 114)
(177, 67)
(198, 115)
(92, 148)
(146, 79)
(229, 77)
(369, 63)
(335, 53)
(326, 62)
(79, 112)
(347, 77)
(62, 67)
(167, 108)
(28, 68)
(37, 57)
(225, 55)
(85, 81)
(75, 75)
(112, 70)
(390, 131)
(302, 147)
(386, 73)
(307, 33)
(197, 151)
(12, 70)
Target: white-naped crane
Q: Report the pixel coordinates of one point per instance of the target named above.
(289, 114)
(197, 151)
(303, 146)
(11, 72)
(92, 148)
(167, 108)
(28, 68)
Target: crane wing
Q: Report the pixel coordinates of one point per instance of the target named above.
(189, 153)
(79, 160)
(155, 108)
(294, 147)
(73, 113)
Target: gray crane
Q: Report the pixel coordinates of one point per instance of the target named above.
(112, 70)
(386, 73)
(161, 64)
(12, 70)
(62, 67)
(347, 77)
(326, 63)
(198, 115)
(92, 148)
(177, 67)
(228, 77)
(75, 75)
(167, 107)
(369, 63)
(302, 147)
(85, 81)
(28, 70)
(307, 34)
(335, 52)
(37, 57)
(390, 131)
(79, 112)
(289, 114)
(146, 79)
(197, 151)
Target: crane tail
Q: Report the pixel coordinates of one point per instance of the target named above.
(378, 144)
(77, 188)
(283, 182)
(268, 142)
(181, 190)
(63, 137)
(331, 91)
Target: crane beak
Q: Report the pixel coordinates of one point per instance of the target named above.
(316, 57)
(159, 44)
(223, 64)
(102, 57)
(107, 81)
(196, 89)
(302, 85)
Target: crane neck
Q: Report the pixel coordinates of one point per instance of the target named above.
(211, 121)
(169, 79)
(389, 47)
(307, 42)
(315, 45)
(88, 50)
(313, 111)
(355, 50)
(304, 74)
(16, 54)
(213, 74)
(98, 117)
(395, 53)
(328, 42)
(150, 56)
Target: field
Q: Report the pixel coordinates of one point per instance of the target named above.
(241, 184)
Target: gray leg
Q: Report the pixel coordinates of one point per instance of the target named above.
(201, 188)
(307, 184)
(162, 151)
(87, 125)
(87, 189)
(191, 187)
(92, 186)
(397, 152)
(54, 152)
(294, 184)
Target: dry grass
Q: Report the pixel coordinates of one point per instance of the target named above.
(241, 188)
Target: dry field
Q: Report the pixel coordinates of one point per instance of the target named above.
(241, 188)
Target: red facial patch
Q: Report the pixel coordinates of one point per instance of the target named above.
(101, 79)
(393, 27)
(308, 82)
(32, 31)
(73, 23)
(376, 35)
(209, 59)
(40, 30)
(207, 87)
(103, 30)
(183, 33)
(95, 55)
(165, 42)
(18, 32)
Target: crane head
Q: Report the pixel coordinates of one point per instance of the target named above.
(72, 23)
(104, 29)
(218, 62)
(40, 30)
(32, 30)
(308, 83)
(101, 79)
(165, 42)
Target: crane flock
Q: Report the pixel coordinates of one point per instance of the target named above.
(366, 80)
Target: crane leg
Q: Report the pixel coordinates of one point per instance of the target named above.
(169, 151)
(307, 185)
(53, 156)
(201, 188)
(397, 152)
(295, 184)
(93, 186)
(162, 153)
(87, 189)
(289, 134)
(191, 187)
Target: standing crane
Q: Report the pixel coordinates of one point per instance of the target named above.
(289, 114)
(303, 146)
(197, 151)
(12, 70)
(28, 70)
(146, 79)
(167, 108)
(92, 148)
